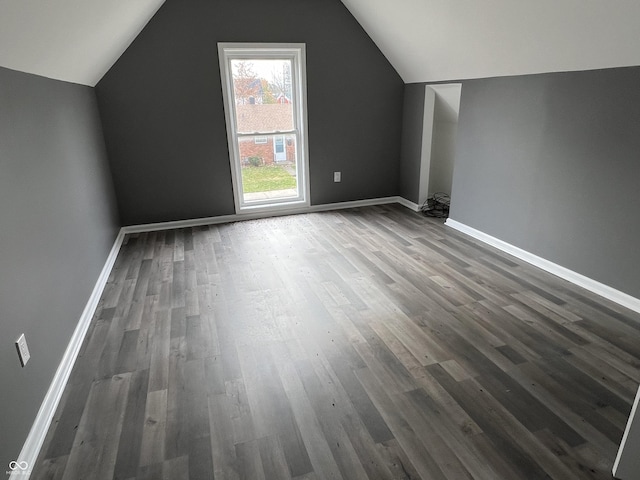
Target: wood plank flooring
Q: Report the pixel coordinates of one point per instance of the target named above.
(366, 343)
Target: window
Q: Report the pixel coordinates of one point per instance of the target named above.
(264, 91)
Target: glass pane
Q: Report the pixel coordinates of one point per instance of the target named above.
(268, 167)
(263, 95)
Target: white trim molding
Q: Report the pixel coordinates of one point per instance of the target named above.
(409, 204)
(38, 432)
(625, 466)
(578, 279)
(197, 222)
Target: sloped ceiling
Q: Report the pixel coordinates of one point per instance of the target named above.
(72, 40)
(431, 40)
(425, 40)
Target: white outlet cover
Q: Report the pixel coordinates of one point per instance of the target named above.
(337, 176)
(23, 350)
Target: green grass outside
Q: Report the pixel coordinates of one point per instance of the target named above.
(266, 178)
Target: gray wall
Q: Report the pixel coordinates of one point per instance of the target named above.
(442, 155)
(59, 222)
(551, 163)
(162, 109)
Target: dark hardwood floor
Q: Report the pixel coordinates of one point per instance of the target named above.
(366, 343)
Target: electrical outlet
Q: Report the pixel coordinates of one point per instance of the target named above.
(23, 350)
(337, 177)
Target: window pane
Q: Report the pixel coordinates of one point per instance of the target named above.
(263, 97)
(269, 170)
(264, 93)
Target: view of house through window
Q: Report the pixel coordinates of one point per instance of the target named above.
(265, 121)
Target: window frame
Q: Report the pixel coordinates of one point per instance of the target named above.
(296, 53)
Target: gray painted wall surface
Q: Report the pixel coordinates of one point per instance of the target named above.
(442, 156)
(59, 222)
(550, 163)
(162, 109)
(411, 147)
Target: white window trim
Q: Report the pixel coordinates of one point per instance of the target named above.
(296, 52)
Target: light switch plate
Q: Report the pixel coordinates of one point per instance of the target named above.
(337, 176)
(23, 350)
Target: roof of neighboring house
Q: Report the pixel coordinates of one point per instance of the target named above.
(271, 117)
(281, 98)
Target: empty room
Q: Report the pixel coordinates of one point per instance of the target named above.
(319, 239)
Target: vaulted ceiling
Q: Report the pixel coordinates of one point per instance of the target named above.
(430, 40)
(72, 40)
(425, 40)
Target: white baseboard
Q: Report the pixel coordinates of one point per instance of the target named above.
(587, 283)
(409, 204)
(625, 466)
(197, 222)
(38, 432)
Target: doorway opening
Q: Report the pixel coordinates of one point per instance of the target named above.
(439, 128)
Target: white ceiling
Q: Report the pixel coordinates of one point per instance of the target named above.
(72, 40)
(431, 40)
(425, 40)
